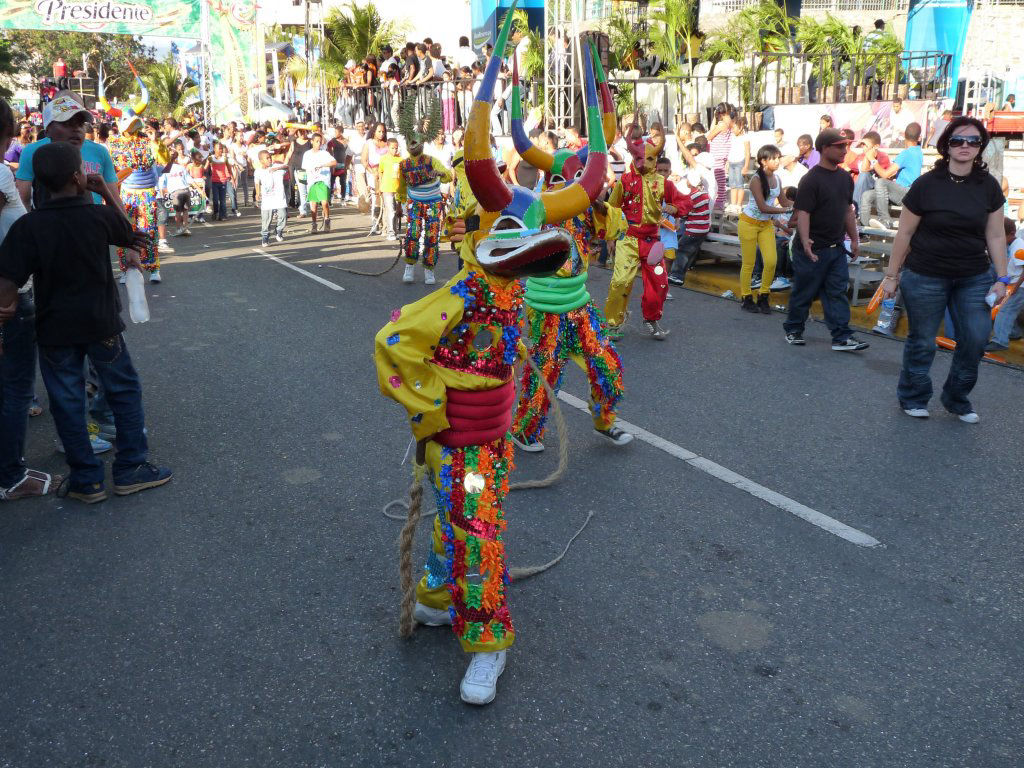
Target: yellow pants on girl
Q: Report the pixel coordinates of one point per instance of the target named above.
(755, 234)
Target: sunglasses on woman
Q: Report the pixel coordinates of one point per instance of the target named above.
(970, 141)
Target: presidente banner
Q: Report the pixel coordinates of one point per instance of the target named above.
(940, 25)
(159, 18)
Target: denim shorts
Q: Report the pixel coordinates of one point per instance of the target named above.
(736, 180)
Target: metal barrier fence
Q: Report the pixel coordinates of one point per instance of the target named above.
(769, 78)
(383, 103)
(791, 78)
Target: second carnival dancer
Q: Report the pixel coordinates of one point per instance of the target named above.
(644, 196)
(561, 318)
(419, 182)
(133, 162)
(448, 360)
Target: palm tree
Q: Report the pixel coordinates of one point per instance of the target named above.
(355, 32)
(672, 28)
(748, 35)
(623, 35)
(832, 44)
(884, 52)
(672, 31)
(533, 62)
(169, 92)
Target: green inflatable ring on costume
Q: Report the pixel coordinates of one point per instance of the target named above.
(557, 295)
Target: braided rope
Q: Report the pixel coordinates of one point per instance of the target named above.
(406, 623)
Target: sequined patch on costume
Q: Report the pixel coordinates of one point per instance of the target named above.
(489, 308)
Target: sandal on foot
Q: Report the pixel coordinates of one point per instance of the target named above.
(34, 483)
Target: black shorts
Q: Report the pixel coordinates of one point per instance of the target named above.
(181, 200)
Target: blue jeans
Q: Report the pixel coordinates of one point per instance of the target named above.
(828, 277)
(231, 196)
(1007, 316)
(686, 254)
(865, 181)
(219, 190)
(926, 299)
(63, 370)
(17, 375)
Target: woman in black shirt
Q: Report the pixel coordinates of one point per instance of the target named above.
(951, 236)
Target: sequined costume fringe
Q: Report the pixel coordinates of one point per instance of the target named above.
(140, 205)
(424, 225)
(580, 335)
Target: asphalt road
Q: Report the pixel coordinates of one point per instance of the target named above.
(246, 613)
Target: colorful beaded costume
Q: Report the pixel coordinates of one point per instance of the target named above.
(134, 163)
(419, 184)
(448, 360)
(562, 320)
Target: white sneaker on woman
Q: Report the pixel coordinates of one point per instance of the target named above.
(428, 277)
(410, 273)
(480, 682)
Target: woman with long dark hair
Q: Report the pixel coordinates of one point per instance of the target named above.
(757, 229)
(952, 249)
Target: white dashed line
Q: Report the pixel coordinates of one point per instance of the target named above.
(300, 270)
(812, 516)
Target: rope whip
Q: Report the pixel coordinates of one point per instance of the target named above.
(398, 255)
(414, 506)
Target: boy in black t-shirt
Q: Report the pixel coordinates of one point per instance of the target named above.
(824, 217)
(64, 245)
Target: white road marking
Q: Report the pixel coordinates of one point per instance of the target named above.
(310, 275)
(812, 516)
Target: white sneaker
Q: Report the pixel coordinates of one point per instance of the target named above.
(279, 237)
(780, 284)
(391, 237)
(431, 617)
(969, 418)
(187, 231)
(164, 246)
(616, 435)
(123, 278)
(428, 277)
(410, 273)
(154, 276)
(480, 682)
(917, 413)
(238, 214)
(178, 232)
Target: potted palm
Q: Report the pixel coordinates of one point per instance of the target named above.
(831, 45)
(884, 51)
(751, 36)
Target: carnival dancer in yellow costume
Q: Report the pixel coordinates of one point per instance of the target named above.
(448, 360)
(561, 318)
(643, 195)
(134, 163)
(419, 185)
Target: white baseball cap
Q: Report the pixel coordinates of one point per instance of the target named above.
(62, 107)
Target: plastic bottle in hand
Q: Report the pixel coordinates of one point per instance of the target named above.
(888, 316)
(138, 309)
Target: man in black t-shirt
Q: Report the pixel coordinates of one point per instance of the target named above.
(300, 145)
(824, 217)
(64, 245)
(338, 147)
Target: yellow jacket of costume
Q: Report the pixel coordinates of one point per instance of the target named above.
(434, 344)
